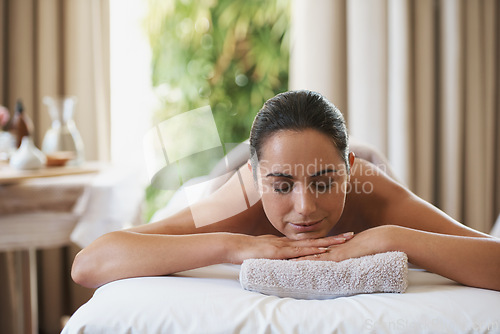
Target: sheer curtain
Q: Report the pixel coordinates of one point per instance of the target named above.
(56, 47)
(419, 80)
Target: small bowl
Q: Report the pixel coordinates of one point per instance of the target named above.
(59, 159)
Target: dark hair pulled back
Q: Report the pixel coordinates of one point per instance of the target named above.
(297, 111)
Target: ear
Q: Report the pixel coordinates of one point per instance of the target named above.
(352, 156)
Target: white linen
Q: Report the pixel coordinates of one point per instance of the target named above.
(41, 213)
(52, 211)
(114, 203)
(211, 300)
(36, 230)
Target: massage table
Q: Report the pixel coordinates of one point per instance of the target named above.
(211, 300)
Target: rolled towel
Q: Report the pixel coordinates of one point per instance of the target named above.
(384, 272)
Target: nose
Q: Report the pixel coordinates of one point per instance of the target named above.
(304, 201)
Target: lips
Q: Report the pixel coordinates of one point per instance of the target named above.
(306, 226)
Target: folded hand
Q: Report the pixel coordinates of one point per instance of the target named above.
(274, 247)
(372, 241)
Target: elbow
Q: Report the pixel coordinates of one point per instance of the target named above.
(82, 271)
(93, 266)
(79, 270)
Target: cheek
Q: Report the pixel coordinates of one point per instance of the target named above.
(274, 207)
(335, 207)
(333, 203)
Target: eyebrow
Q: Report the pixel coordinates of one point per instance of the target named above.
(279, 174)
(288, 176)
(324, 171)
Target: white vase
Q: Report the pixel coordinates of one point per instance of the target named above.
(27, 156)
(7, 145)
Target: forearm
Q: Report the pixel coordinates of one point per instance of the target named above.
(471, 261)
(124, 254)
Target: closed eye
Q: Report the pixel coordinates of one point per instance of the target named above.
(282, 187)
(322, 186)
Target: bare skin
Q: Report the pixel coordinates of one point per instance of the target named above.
(299, 213)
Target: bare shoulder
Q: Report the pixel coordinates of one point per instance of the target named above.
(385, 201)
(371, 182)
(235, 207)
(368, 192)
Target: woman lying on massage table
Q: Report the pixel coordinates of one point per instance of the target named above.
(308, 197)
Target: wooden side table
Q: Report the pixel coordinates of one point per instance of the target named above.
(55, 206)
(38, 209)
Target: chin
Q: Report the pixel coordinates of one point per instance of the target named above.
(306, 235)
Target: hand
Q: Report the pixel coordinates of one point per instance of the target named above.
(372, 241)
(274, 247)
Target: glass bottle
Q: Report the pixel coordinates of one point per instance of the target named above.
(21, 124)
(63, 136)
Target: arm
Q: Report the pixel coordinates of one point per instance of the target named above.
(438, 243)
(176, 243)
(124, 254)
(473, 261)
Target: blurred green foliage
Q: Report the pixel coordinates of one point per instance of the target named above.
(231, 55)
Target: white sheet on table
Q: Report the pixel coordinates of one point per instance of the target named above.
(113, 203)
(211, 300)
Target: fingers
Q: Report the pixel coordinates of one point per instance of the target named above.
(311, 249)
(300, 252)
(347, 236)
(327, 241)
(314, 257)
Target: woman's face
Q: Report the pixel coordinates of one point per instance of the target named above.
(302, 179)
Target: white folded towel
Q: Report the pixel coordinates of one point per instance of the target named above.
(384, 272)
